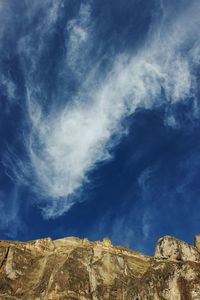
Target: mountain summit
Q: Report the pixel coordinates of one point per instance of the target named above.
(72, 268)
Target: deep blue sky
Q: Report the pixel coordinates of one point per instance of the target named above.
(100, 120)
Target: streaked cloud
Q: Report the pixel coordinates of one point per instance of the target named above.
(10, 221)
(79, 35)
(65, 144)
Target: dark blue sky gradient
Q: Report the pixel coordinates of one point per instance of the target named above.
(150, 187)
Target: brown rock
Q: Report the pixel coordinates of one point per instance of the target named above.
(197, 241)
(172, 249)
(72, 268)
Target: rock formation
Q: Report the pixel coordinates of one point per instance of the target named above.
(72, 268)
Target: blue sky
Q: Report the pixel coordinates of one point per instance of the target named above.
(99, 120)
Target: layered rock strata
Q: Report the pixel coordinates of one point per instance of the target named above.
(73, 268)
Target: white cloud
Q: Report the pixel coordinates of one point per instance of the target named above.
(79, 36)
(9, 86)
(170, 120)
(5, 12)
(32, 43)
(10, 210)
(145, 176)
(146, 225)
(124, 233)
(63, 147)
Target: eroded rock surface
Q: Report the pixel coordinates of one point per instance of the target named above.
(72, 268)
(173, 249)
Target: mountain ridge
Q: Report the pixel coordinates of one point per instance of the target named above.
(74, 268)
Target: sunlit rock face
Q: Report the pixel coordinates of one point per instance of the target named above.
(173, 249)
(72, 268)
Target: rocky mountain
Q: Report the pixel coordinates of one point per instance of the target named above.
(73, 268)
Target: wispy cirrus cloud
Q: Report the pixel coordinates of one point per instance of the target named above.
(10, 221)
(79, 36)
(65, 144)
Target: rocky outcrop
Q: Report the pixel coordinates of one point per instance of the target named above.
(73, 268)
(175, 250)
(197, 241)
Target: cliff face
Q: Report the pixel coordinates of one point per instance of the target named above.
(72, 268)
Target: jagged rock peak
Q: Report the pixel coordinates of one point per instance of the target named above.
(197, 241)
(173, 249)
